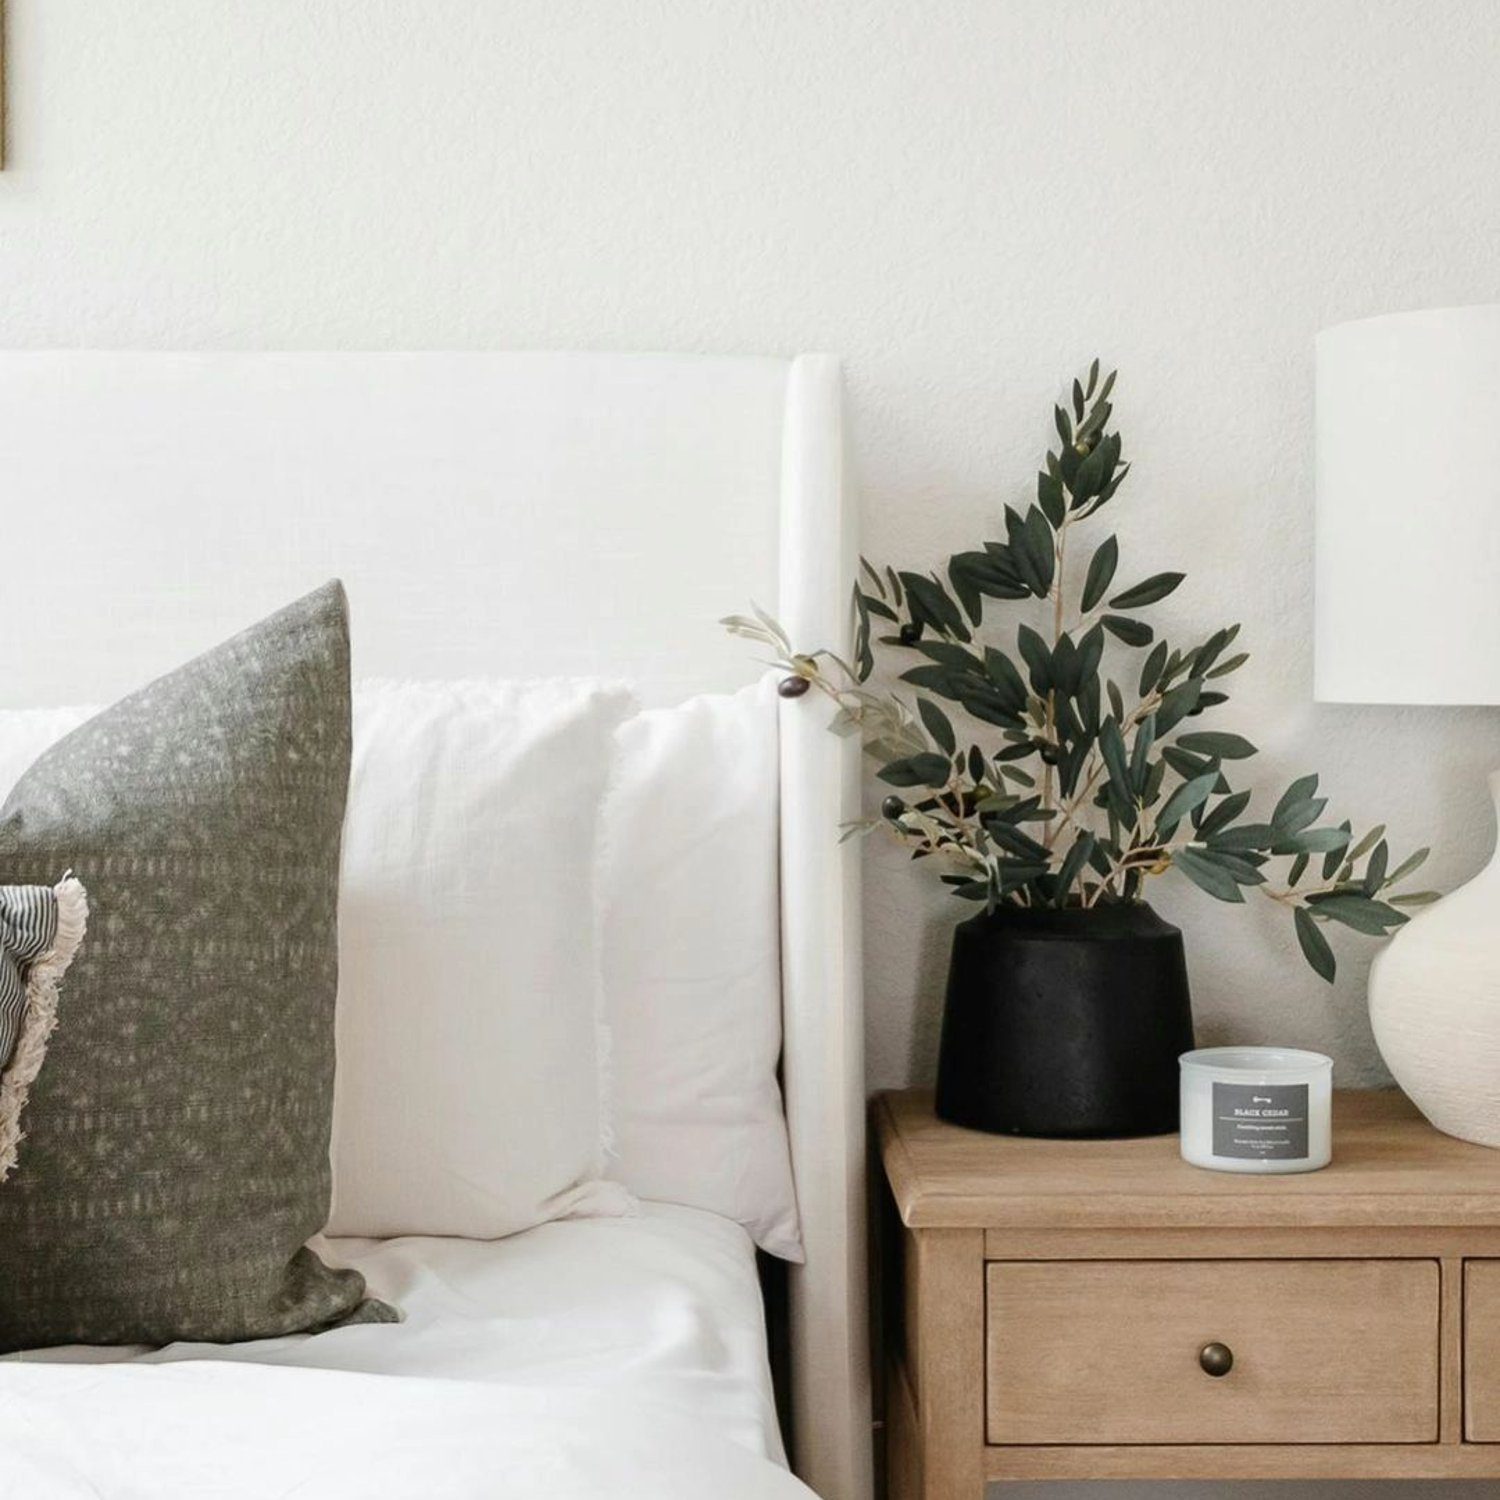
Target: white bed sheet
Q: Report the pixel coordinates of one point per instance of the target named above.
(662, 1309)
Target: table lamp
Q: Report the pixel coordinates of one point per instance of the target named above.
(1408, 611)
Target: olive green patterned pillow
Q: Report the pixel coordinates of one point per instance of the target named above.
(176, 1153)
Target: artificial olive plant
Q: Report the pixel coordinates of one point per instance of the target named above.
(1075, 768)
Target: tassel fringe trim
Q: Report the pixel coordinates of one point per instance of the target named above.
(39, 1019)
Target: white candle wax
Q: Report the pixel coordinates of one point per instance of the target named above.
(1257, 1109)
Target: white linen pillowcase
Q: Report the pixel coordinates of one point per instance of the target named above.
(469, 1094)
(689, 921)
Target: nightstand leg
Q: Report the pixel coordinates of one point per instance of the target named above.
(935, 1399)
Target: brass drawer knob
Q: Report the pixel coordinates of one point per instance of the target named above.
(1216, 1359)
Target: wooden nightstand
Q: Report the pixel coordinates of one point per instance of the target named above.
(1102, 1310)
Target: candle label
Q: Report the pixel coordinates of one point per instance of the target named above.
(1260, 1122)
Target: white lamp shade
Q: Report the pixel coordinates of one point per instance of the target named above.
(1408, 511)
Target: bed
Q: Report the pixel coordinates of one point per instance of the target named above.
(470, 501)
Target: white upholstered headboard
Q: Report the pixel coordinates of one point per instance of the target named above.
(491, 514)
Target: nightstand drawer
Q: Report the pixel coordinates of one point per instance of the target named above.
(1112, 1352)
(1482, 1351)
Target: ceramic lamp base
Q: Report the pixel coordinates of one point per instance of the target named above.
(1435, 1007)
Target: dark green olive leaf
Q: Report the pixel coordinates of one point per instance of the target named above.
(984, 702)
(1299, 791)
(1070, 768)
(1090, 695)
(1090, 654)
(1038, 659)
(1004, 677)
(1380, 859)
(1089, 477)
(1151, 673)
(1334, 856)
(1359, 912)
(1232, 665)
(1203, 659)
(1176, 704)
(1028, 566)
(966, 591)
(1015, 841)
(1020, 751)
(864, 657)
(1140, 753)
(1015, 873)
(1154, 779)
(1301, 815)
(1245, 868)
(1314, 945)
(1367, 843)
(1116, 701)
(1219, 744)
(1064, 663)
(1116, 762)
(1094, 422)
(1188, 796)
(1223, 814)
(1119, 472)
(1207, 875)
(938, 725)
(1408, 866)
(929, 604)
(1298, 869)
(1417, 898)
(970, 890)
(1148, 591)
(1077, 401)
(991, 573)
(1132, 632)
(1245, 836)
(1023, 810)
(1050, 496)
(917, 770)
(1312, 841)
(1187, 766)
(1072, 866)
(943, 681)
(1064, 426)
(1039, 548)
(1101, 572)
(948, 654)
(1069, 730)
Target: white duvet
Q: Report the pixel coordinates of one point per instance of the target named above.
(609, 1357)
(224, 1431)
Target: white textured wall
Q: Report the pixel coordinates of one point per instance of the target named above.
(967, 199)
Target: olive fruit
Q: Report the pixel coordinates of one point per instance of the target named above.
(892, 808)
(793, 687)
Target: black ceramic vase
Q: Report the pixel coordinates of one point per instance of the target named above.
(1065, 1023)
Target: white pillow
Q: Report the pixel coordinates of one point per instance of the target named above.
(468, 1092)
(689, 921)
(468, 1095)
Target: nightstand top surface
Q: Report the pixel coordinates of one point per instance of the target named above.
(1390, 1167)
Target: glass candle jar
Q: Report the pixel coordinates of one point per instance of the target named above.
(1257, 1109)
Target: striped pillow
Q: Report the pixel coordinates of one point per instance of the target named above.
(40, 930)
